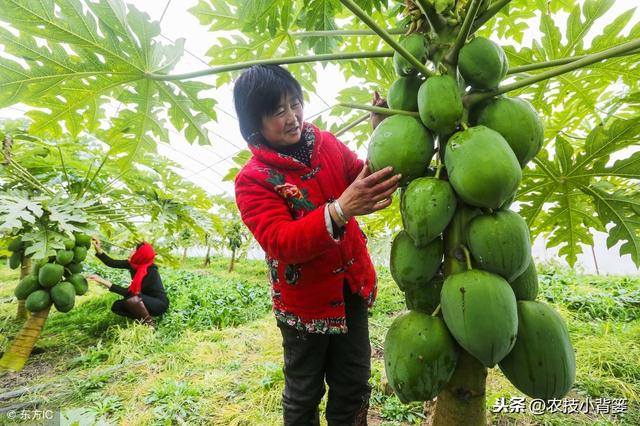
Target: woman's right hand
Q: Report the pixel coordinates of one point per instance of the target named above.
(369, 192)
(97, 278)
(96, 244)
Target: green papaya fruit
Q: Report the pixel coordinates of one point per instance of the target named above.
(69, 243)
(64, 257)
(15, 259)
(74, 268)
(480, 311)
(15, 244)
(63, 295)
(79, 254)
(440, 103)
(419, 356)
(79, 283)
(37, 301)
(517, 122)
(37, 264)
(411, 266)
(425, 297)
(542, 363)
(26, 286)
(499, 242)
(50, 274)
(402, 142)
(482, 63)
(482, 168)
(82, 240)
(525, 286)
(416, 44)
(403, 93)
(428, 204)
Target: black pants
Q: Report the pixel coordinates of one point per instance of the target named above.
(343, 359)
(154, 305)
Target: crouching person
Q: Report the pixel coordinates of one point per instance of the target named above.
(145, 297)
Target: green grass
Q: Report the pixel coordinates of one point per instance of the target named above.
(216, 356)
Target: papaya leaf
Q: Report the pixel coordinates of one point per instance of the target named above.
(216, 13)
(264, 15)
(231, 174)
(626, 168)
(581, 91)
(71, 59)
(16, 210)
(67, 215)
(620, 208)
(567, 197)
(319, 15)
(242, 157)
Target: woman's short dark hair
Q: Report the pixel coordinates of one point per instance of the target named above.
(139, 245)
(258, 92)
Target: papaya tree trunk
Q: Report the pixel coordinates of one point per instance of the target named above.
(233, 259)
(463, 401)
(15, 358)
(595, 260)
(207, 257)
(22, 313)
(184, 255)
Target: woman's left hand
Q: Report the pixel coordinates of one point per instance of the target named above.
(376, 118)
(97, 278)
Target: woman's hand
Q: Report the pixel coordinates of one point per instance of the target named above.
(376, 118)
(97, 278)
(96, 244)
(369, 192)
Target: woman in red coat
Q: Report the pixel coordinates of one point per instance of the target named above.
(299, 195)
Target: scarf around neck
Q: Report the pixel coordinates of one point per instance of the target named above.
(300, 151)
(140, 262)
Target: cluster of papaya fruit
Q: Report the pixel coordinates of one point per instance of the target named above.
(459, 211)
(56, 279)
(17, 248)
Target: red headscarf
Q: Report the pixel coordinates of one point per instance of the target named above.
(142, 258)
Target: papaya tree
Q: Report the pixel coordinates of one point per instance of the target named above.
(54, 192)
(451, 88)
(575, 175)
(232, 235)
(54, 235)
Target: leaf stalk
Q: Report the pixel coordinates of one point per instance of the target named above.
(451, 57)
(368, 20)
(274, 61)
(473, 98)
(379, 110)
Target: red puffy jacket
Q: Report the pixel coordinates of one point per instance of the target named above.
(282, 201)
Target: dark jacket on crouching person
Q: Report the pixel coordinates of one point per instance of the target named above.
(152, 291)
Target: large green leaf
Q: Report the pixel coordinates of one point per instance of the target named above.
(94, 53)
(581, 91)
(621, 208)
(17, 210)
(566, 197)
